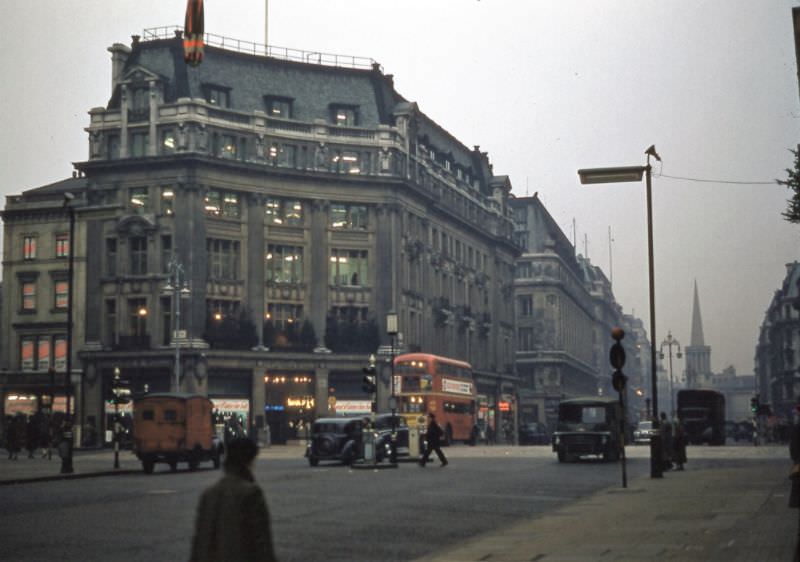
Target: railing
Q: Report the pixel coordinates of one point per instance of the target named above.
(249, 47)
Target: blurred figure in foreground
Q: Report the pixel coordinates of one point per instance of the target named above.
(233, 522)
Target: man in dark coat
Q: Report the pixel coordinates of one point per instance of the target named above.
(433, 435)
(233, 523)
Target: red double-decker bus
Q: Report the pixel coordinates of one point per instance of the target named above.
(426, 383)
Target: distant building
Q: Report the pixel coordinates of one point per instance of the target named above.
(738, 390)
(777, 355)
(698, 354)
(284, 208)
(565, 310)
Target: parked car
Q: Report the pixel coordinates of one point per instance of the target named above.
(643, 432)
(335, 439)
(533, 433)
(342, 439)
(383, 437)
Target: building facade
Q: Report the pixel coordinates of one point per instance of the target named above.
(777, 355)
(243, 227)
(565, 311)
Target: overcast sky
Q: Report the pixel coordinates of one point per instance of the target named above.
(545, 87)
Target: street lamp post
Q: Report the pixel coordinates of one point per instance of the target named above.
(66, 459)
(178, 289)
(115, 425)
(391, 329)
(634, 174)
(669, 343)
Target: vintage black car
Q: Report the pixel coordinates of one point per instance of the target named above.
(533, 433)
(342, 439)
(335, 439)
(588, 426)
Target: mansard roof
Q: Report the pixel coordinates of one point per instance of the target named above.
(71, 185)
(313, 89)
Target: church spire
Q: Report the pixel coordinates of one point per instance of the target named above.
(697, 321)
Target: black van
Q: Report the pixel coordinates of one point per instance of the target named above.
(588, 426)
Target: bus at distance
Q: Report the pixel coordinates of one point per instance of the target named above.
(426, 383)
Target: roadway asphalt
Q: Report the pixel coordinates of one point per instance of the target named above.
(702, 514)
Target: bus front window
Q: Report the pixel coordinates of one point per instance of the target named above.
(412, 404)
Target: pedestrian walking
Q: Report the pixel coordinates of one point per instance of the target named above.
(666, 441)
(679, 446)
(489, 434)
(433, 436)
(16, 436)
(233, 522)
(32, 436)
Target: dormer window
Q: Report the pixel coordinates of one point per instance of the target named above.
(344, 115)
(217, 95)
(140, 103)
(278, 107)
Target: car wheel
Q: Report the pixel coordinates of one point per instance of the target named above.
(313, 461)
(562, 456)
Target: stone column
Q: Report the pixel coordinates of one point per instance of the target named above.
(190, 247)
(317, 274)
(255, 264)
(321, 391)
(258, 399)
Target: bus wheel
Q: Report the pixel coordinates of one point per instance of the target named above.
(147, 465)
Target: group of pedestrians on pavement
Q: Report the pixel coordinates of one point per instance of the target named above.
(673, 443)
(27, 432)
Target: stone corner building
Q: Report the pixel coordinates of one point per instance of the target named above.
(252, 220)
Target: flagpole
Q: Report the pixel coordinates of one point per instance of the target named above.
(266, 26)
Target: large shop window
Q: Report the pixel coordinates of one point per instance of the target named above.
(348, 267)
(223, 259)
(284, 211)
(353, 217)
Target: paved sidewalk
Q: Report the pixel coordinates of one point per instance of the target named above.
(96, 462)
(711, 514)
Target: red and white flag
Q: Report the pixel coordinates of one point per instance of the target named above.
(193, 33)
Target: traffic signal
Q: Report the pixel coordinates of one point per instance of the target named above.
(368, 382)
(754, 405)
(618, 381)
(120, 390)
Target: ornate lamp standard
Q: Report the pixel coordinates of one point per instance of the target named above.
(391, 330)
(634, 174)
(669, 342)
(176, 285)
